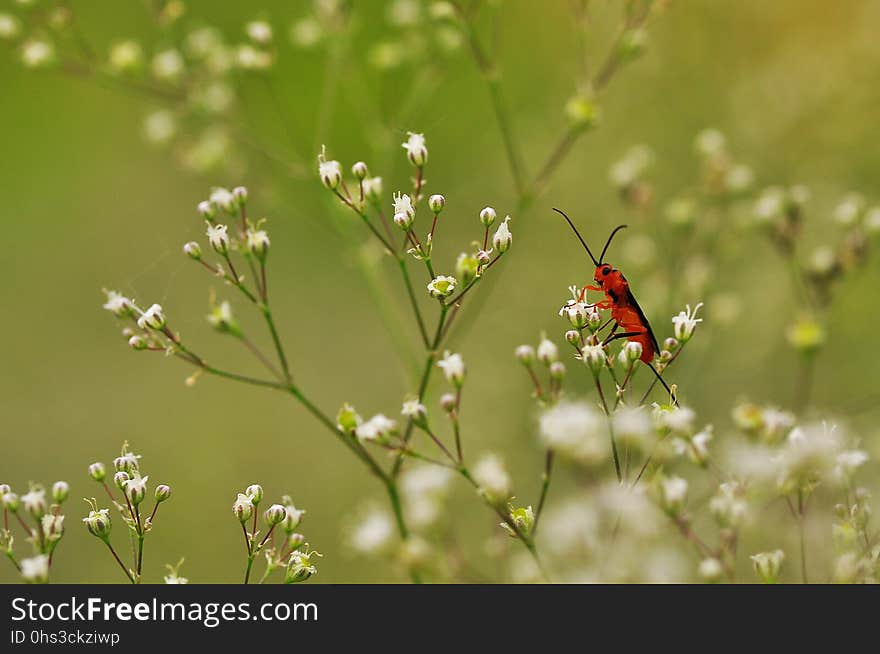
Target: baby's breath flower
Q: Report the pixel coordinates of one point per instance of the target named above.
(576, 431)
(168, 65)
(673, 493)
(767, 565)
(492, 478)
(34, 502)
(487, 216)
(710, 142)
(37, 53)
(678, 420)
(525, 354)
(223, 198)
(848, 462)
(243, 508)
(711, 569)
(193, 250)
(35, 570)
(222, 320)
(255, 493)
(633, 427)
(300, 567)
(377, 428)
(373, 533)
(292, 519)
(126, 56)
(547, 351)
(218, 238)
(160, 127)
(118, 304)
(594, 357)
(347, 420)
(850, 209)
(415, 148)
(436, 203)
(120, 479)
(98, 523)
(11, 501)
(359, 170)
(373, 188)
(632, 351)
(247, 57)
(728, 505)
(306, 32)
(60, 491)
(152, 318)
(453, 368)
(699, 446)
(257, 242)
(275, 515)
(136, 490)
(557, 370)
(502, 239)
(442, 286)
(578, 314)
(448, 402)
(685, 323)
(573, 337)
(582, 110)
(414, 410)
(330, 172)
(127, 461)
(259, 31)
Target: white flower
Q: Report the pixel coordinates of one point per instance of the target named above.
(306, 32)
(37, 53)
(850, 209)
(414, 409)
(727, 506)
(711, 569)
(503, 238)
(373, 188)
(152, 318)
(257, 242)
(578, 313)
(34, 502)
(374, 532)
(9, 26)
(160, 127)
(222, 319)
(118, 304)
(136, 489)
(453, 367)
(576, 431)
(769, 205)
(678, 420)
(442, 286)
(487, 216)
(767, 565)
(247, 57)
(426, 480)
(35, 570)
(633, 427)
(376, 428)
(685, 323)
(243, 507)
(218, 238)
(259, 31)
(403, 204)
(525, 354)
(415, 148)
(126, 56)
(631, 351)
(223, 198)
(848, 462)
(593, 356)
(709, 142)
(174, 578)
(547, 351)
(699, 450)
(168, 65)
(673, 493)
(330, 172)
(492, 478)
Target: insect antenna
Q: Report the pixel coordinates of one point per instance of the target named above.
(608, 242)
(578, 234)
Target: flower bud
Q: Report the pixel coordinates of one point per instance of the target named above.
(152, 318)
(121, 478)
(97, 471)
(436, 203)
(98, 522)
(415, 411)
(415, 148)
(243, 508)
(557, 370)
(292, 519)
(767, 565)
(484, 258)
(295, 541)
(193, 250)
(807, 336)
(10, 501)
(670, 344)
(492, 479)
(524, 519)
(403, 220)
(137, 342)
(466, 267)
(255, 493)
(257, 242)
(4, 488)
(547, 351)
(448, 402)
(240, 193)
(577, 313)
(347, 420)
(207, 210)
(594, 357)
(502, 239)
(136, 490)
(218, 238)
(163, 492)
(359, 170)
(582, 111)
(275, 515)
(573, 337)
(34, 502)
(487, 216)
(632, 350)
(330, 173)
(60, 491)
(525, 354)
(373, 189)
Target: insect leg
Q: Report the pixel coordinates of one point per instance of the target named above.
(663, 381)
(613, 337)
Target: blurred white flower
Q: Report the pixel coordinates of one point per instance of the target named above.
(492, 478)
(373, 533)
(575, 430)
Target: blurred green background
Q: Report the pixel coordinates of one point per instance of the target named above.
(87, 204)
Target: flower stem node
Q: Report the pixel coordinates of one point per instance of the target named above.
(415, 148)
(502, 239)
(193, 250)
(436, 203)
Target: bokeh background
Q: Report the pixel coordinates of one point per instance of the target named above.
(87, 203)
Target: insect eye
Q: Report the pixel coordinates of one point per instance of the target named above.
(606, 270)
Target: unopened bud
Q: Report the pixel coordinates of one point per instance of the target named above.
(98, 523)
(557, 370)
(436, 203)
(60, 491)
(448, 402)
(97, 471)
(767, 565)
(525, 354)
(547, 351)
(573, 336)
(163, 492)
(207, 209)
(193, 250)
(275, 515)
(120, 479)
(240, 193)
(359, 170)
(137, 342)
(487, 216)
(255, 492)
(243, 508)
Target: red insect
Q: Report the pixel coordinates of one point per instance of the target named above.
(625, 311)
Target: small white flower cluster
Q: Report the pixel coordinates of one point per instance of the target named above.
(722, 175)
(41, 519)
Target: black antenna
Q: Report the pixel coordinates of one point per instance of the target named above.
(578, 234)
(608, 242)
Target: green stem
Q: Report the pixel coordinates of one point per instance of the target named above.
(401, 261)
(119, 561)
(545, 487)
